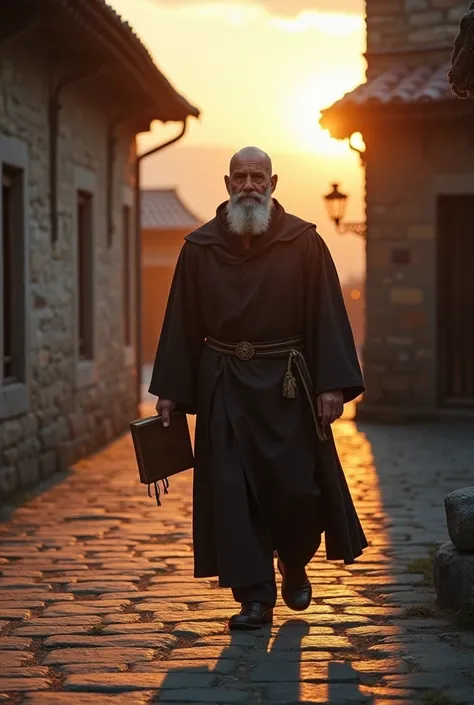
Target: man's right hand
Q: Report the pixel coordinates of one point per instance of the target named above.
(164, 408)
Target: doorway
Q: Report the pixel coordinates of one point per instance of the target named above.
(455, 219)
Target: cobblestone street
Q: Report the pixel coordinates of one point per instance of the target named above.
(98, 604)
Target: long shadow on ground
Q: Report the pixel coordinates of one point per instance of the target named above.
(273, 668)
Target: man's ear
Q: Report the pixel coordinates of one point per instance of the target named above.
(227, 183)
(274, 182)
(471, 6)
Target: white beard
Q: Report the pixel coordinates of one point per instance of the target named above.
(249, 215)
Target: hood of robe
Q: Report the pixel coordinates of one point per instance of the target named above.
(283, 227)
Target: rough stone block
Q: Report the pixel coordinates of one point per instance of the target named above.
(386, 7)
(426, 19)
(117, 682)
(8, 482)
(49, 437)
(416, 5)
(433, 35)
(29, 472)
(10, 457)
(454, 578)
(14, 659)
(444, 4)
(139, 641)
(13, 432)
(19, 685)
(59, 698)
(293, 672)
(460, 517)
(48, 463)
(197, 629)
(14, 643)
(100, 655)
(30, 424)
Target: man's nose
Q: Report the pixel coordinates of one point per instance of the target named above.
(248, 186)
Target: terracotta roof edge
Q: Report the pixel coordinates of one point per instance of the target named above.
(89, 11)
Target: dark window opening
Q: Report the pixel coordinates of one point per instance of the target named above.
(127, 312)
(12, 275)
(456, 300)
(85, 313)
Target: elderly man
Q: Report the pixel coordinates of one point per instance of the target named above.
(256, 341)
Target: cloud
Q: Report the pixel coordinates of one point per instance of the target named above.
(282, 8)
(338, 25)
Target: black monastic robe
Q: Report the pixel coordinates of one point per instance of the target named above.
(260, 470)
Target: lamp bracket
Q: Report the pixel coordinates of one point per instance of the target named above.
(352, 228)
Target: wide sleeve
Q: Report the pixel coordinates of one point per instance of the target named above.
(331, 353)
(175, 370)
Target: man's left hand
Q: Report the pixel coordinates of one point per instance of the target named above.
(330, 406)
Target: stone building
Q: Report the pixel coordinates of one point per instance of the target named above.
(419, 166)
(353, 291)
(76, 86)
(165, 222)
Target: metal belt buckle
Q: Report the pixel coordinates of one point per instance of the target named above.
(244, 350)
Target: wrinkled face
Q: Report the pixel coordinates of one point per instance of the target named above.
(461, 74)
(249, 178)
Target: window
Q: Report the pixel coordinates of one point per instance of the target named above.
(456, 299)
(127, 289)
(86, 217)
(13, 278)
(85, 312)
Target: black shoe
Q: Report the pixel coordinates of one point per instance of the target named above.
(253, 615)
(296, 590)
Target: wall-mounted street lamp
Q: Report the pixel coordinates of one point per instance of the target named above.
(336, 203)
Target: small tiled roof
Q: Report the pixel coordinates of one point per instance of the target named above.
(163, 209)
(393, 89)
(402, 84)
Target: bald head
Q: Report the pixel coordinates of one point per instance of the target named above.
(252, 155)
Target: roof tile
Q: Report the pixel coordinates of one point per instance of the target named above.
(388, 93)
(163, 209)
(402, 84)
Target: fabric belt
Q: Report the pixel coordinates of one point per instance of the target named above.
(291, 347)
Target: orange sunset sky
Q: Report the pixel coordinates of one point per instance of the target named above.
(260, 71)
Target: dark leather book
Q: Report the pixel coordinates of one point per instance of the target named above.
(161, 452)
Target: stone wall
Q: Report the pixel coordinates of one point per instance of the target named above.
(408, 165)
(68, 415)
(412, 24)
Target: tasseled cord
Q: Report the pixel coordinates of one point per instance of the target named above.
(290, 387)
(165, 482)
(290, 391)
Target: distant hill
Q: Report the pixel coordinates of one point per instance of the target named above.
(198, 173)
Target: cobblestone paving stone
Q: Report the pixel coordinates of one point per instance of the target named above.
(98, 605)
